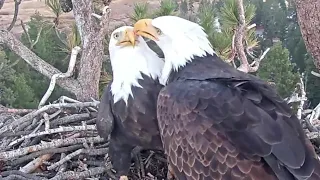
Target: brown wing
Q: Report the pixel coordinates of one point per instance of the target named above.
(137, 120)
(105, 120)
(215, 131)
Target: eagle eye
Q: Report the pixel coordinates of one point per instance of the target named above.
(159, 32)
(116, 35)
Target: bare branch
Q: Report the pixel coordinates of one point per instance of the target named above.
(239, 36)
(69, 73)
(251, 26)
(8, 155)
(16, 111)
(33, 165)
(46, 151)
(315, 73)
(79, 175)
(43, 109)
(76, 153)
(303, 96)
(54, 131)
(15, 15)
(36, 62)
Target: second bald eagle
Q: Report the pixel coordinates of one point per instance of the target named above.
(128, 106)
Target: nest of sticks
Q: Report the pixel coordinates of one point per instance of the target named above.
(59, 141)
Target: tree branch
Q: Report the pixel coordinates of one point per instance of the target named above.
(69, 73)
(36, 62)
(15, 16)
(239, 36)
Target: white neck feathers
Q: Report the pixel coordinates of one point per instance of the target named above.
(127, 65)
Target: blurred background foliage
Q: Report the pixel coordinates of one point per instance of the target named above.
(276, 28)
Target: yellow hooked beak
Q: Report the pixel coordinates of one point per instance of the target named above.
(128, 39)
(144, 28)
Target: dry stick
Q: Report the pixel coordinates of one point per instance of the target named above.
(46, 145)
(15, 15)
(20, 174)
(63, 167)
(78, 152)
(303, 96)
(70, 119)
(62, 99)
(32, 43)
(72, 63)
(54, 131)
(30, 116)
(16, 111)
(46, 151)
(33, 165)
(79, 175)
(315, 114)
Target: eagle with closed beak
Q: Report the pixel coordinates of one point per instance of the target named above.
(127, 110)
(217, 123)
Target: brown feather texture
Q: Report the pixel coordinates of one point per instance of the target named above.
(130, 125)
(218, 123)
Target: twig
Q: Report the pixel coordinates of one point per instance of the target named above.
(46, 151)
(43, 109)
(315, 114)
(313, 135)
(315, 73)
(69, 72)
(251, 26)
(76, 153)
(254, 66)
(33, 165)
(303, 96)
(19, 173)
(15, 111)
(15, 15)
(31, 42)
(46, 145)
(53, 131)
(70, 119)
(79, 175)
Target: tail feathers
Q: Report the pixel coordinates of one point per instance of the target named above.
(316, 173)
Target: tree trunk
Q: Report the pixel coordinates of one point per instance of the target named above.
(92, 49)
(309, 20)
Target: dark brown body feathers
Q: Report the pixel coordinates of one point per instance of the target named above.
(221, 124)
(134, 124)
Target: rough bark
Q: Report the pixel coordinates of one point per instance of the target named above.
(92, 32)
(309, 20)
(92, 48)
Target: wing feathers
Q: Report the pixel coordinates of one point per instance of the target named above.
(212, 131)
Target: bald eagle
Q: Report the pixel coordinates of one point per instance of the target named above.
(219, 123)
(128, 104)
